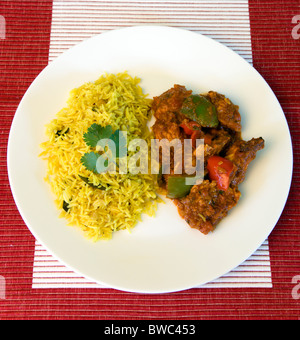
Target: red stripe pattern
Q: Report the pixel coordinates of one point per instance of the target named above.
(276, 55)
(23, 54)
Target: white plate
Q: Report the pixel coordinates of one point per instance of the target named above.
(162, 254)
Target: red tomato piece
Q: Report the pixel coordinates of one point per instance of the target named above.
(195, 135)
(190, 127)
(219, 170)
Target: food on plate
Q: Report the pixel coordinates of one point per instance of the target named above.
(182, 115)
(104, 127)
(99, 203)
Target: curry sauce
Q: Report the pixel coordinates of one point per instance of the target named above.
(180, 114)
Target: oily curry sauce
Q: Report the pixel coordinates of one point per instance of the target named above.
(180, 114)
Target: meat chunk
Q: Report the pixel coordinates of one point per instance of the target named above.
(166, 130)
(170, 101)
(166, 109)
(241, 153)
(205, 205)
(228, 113)
(216, 141)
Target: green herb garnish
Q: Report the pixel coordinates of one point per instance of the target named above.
(89, 160)
(95, 133)
(92, 138)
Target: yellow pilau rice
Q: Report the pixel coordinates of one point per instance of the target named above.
(115, 100)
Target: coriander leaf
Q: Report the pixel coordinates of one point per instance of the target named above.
(96, 132)
(89, 160)
(119, 138)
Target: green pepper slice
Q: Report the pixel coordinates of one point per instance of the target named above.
(176, 187)
(200, 110)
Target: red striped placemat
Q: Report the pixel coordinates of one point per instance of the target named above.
(34, 32)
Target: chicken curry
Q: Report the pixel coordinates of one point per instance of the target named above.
(180, 114)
